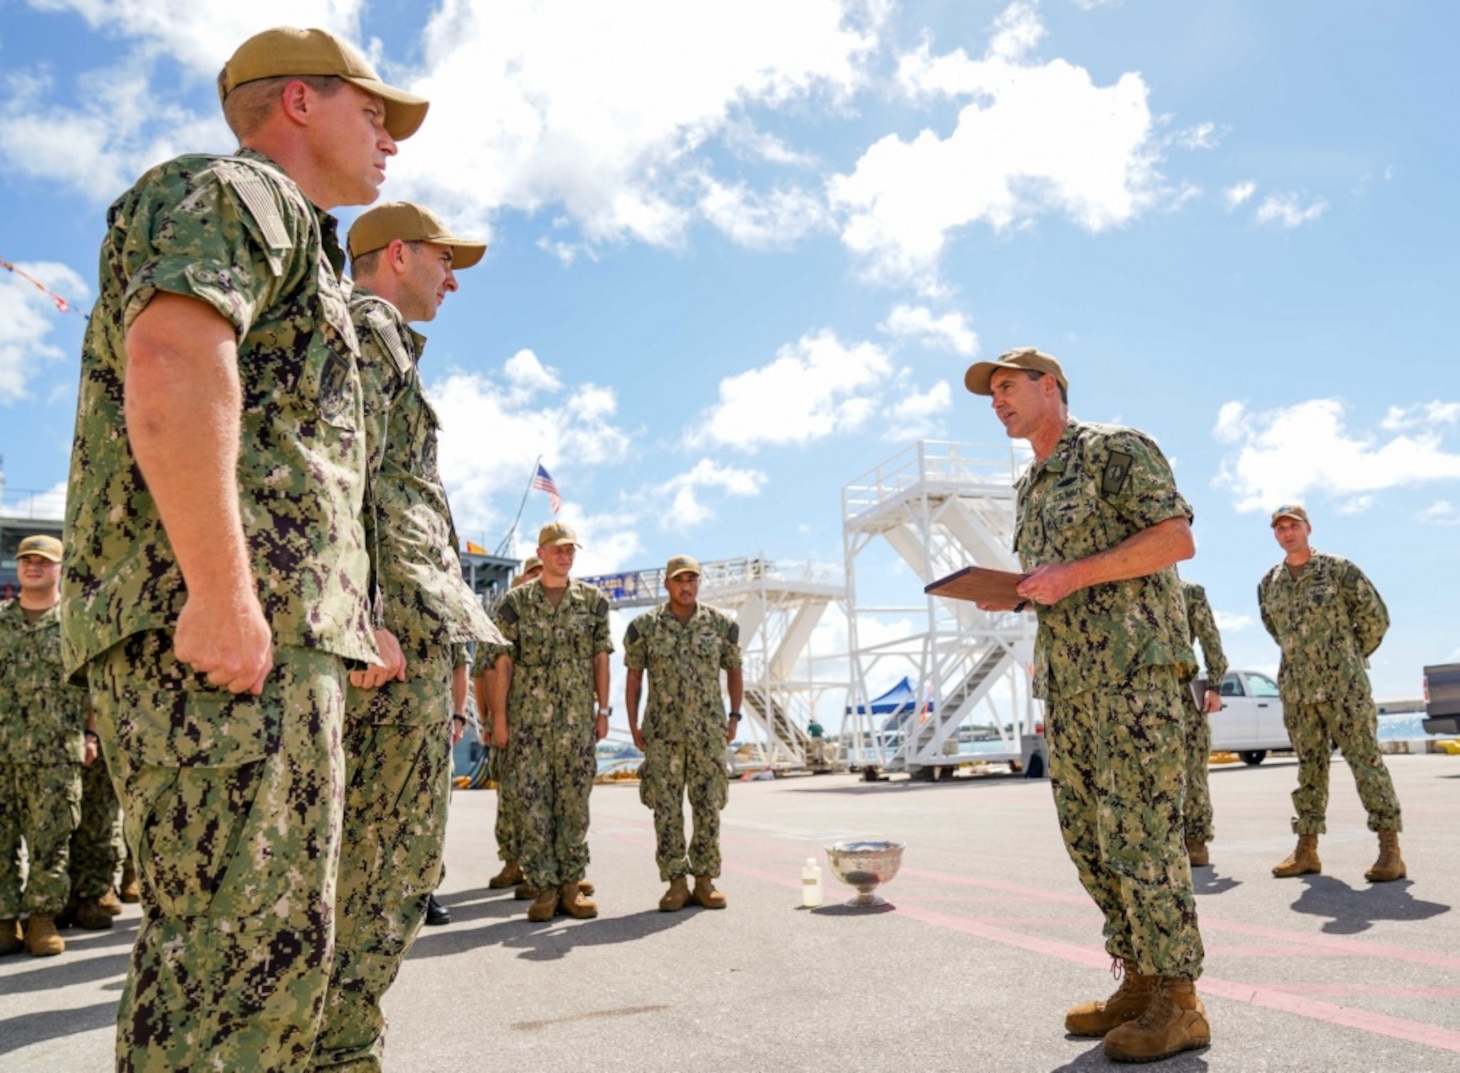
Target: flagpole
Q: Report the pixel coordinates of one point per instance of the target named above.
(507, 540)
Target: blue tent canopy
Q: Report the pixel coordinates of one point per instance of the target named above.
(900, 701)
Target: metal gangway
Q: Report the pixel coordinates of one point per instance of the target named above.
(937, 507)
(778, 606)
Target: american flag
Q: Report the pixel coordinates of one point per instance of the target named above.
(543, 482)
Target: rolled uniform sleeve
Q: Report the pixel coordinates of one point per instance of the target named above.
(1366, 610)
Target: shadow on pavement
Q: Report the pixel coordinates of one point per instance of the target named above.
(1190, 1062)
(31, 1028)
(1207, 880)
(507, 926)
(1352, 911)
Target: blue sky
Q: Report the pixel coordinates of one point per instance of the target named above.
(742, 253)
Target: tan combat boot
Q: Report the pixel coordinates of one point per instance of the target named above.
(675, 897)
(706, 895)
(525, 893)
(89, 913)
(1174, 1021)
(1302, 861)
(1390, 865)
(41, 938)
(110, 903)
(130, 891)
(544, 906)
(572, 902)
(1197, 853)
(11, 941)
(509, 876)
(1126, 1003)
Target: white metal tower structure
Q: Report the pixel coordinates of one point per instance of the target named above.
(778, 606)
(939, 507)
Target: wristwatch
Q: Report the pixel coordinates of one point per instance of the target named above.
(604, 713)
(734, 715)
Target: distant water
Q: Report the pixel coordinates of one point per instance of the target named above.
(1404, 726)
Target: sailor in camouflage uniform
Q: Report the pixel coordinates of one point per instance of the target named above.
(549, 711)
(1099, 530)
(398, 730)
(1328, 619)
(96, 849)
(217, 573)
(508, 822)
(1201, 628)
(684, 645)
(44, 741)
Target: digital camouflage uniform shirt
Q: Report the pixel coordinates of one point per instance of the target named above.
(1100, 485)
(1201, 628)
(210, 228)
(684, 661)
(1327, 622)
(42, 715)
(427, 603)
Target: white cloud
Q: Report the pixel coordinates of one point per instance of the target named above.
(1201, 136)
(27, 318)
(682, 493)
(1231, 622)
(602, 111)
(48, 504)
(1288, 210)
(494, 427)
(1440, 512)
(776, 218)
(815, 387)
(1292, 452)
(611, 120)
(914, 414)
(1400, 418)
(1239, 193)
(950, 331)
(1031, 139)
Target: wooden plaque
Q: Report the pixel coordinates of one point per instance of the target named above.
(979, 584)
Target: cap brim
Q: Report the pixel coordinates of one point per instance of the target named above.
(978, 376)
(681, 573)
(404, 112)
(1279, 517)
(464, 254)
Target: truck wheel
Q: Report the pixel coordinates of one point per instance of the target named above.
(1253, 757)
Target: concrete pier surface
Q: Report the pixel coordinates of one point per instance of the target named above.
(989, 940)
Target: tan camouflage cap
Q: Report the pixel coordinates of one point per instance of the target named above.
(680, 564)
(977, 378)
(47, 547)
(531, 563)
(1290, 510)
(555, 533)
(285, 50)
(382, 225)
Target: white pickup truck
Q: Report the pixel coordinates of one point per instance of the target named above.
(1251, 720)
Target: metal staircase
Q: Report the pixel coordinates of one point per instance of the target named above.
(936, 507)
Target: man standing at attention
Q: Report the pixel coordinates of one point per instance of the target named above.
(398, 730)
(508, 823)
(684, 646)
(552, 681)
(1328, 619)
(1100, 526)
(1201, 628)
(44, 742)
(217, 580)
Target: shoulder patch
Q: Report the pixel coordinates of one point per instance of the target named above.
(382, 325)
(734, 633)
(1117, 470)
(632, 633)
(255, 197)
(508, 612)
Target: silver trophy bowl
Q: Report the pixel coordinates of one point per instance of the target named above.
(865, 865)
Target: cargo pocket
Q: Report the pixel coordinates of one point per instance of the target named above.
(647, 796)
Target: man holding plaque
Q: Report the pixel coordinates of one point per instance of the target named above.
(1099, 530)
